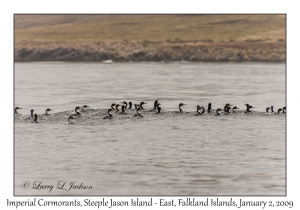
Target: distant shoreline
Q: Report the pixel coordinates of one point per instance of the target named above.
(153, 38)
(150, 52)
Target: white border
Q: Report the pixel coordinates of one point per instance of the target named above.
(8, 8)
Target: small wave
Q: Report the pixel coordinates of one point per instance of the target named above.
(107, 61)
(95, 116)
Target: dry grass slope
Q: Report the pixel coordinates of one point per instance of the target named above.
(150, 37)
(149, 27)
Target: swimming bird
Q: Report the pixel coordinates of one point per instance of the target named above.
(158, 108)
(130, 105)
(76, 112)
(249, 107)
(17, 109)
(124, 107)
(125, 103)
(113, 106)
(109, 111)
(138, 113)
(199, 108)
(75, 115)
(203, 110)
(227, 108)
(72, 117)
(136, 106)
(234, 109)
(268, 110)
(35, 119)
(48, 110)
(84, 107)
(141, 104)
(117, 107)
(279, 110)
(284, 110)
(272, 111)
(209, 108)
(155, 105)
(180, 105)
(218, 111)
(31, 115)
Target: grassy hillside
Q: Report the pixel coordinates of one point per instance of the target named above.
(124, 38)
(159, 28)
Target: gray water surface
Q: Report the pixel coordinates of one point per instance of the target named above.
(160, 154)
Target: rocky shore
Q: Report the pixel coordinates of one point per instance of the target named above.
(125, 51)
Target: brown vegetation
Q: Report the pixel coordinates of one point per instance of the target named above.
(150, 38)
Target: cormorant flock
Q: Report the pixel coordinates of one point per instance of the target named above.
(200, 110)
